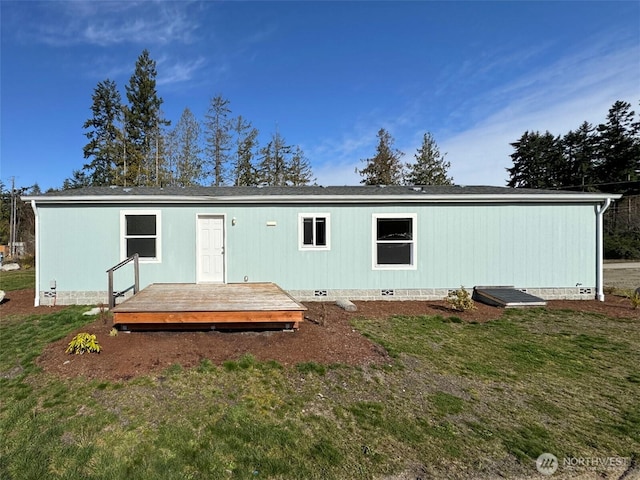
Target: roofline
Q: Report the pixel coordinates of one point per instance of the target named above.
(325, 199)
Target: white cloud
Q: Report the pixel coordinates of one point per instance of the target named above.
(558, 99)
(178, 71)
(337, 174)
(113, 23)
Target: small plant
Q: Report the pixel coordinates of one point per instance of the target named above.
(206, 365)
(635, 298)
(113, 332)
(460, 300)
(311, 367)
(83, 342)
(105, 314)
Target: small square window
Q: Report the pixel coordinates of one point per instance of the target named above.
(314, 231)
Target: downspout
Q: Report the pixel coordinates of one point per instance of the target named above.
(600, 209)
(36, 300)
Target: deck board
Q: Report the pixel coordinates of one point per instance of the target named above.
(180, 303)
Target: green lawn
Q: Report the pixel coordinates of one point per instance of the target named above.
(458, 400)
(17, 279)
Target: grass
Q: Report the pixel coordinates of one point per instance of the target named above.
(17, 279)
(458, 400)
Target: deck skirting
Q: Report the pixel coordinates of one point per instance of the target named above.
(164, 304)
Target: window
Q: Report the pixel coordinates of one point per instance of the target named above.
(394, 245)
(140, 234)
(313, 231)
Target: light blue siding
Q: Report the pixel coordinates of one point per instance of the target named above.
(526, 245)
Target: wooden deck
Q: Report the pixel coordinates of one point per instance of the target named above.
(187, 305)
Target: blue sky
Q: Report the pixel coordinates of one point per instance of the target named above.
(327, 75)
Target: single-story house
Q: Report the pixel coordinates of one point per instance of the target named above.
(321, 243)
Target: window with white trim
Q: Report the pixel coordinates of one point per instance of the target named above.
(314, 231)
(140, 233)
(394, 241)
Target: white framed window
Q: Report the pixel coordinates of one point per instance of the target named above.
(140, 233)
(314, 231)
(394, 241)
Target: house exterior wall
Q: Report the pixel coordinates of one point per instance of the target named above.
(548, 249)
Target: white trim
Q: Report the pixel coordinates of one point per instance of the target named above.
(224, 245)
(123, 229)
(327, 199)
(600, 209)
(301, 245)
(36, 300)
(414, 241)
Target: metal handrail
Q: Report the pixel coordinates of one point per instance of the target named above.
(135, 258)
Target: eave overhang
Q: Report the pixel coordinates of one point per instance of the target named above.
(580, 198)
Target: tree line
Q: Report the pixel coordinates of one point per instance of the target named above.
(604, 158)
(132, 144)
(387, 168)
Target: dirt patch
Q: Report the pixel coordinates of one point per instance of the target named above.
(20, 302)
(326, 337)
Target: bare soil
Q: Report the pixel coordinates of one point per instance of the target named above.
(325, 337)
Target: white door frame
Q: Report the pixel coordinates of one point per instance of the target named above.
(224, 244)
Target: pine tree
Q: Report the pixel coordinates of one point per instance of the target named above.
(104, 147)
(78, 179)
(244, 172)
(579, 149)
(385, 168)
(275, 161)
(218, 138)
(430, 167)
(184, 152)
(299, 170)
(143, 123)
(537, 161)
(618, 149)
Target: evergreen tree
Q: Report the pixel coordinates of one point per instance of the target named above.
(430, 167)
(218, 138)
(79, 179)
(299, 169)
(274, 165)
(579, 148)
(143, 122)
(184, 152)
(104, 147)
(618, 149)
(244, 172)
(536, 161)
(385, 168)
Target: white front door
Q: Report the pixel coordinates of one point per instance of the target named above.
(210, 249)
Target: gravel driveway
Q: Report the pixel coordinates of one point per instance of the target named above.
(623, 275)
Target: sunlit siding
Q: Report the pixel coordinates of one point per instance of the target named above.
(524, 245)
(76, 246)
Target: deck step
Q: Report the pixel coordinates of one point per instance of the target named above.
(507, 297)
